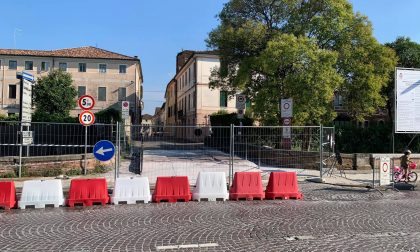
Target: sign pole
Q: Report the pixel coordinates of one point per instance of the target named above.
(85, 161)
(20, 150)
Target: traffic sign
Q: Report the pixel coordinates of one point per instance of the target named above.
(286, 108)
(86, 102)
(384, 171)
(87, 118)
(287, 121)
(240, 101)
(125, 109)
(104, 150)
(240, 114)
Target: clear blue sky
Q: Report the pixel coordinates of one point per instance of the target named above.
(156, 30)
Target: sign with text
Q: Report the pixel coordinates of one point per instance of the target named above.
(286, 108)
(86, 102)
(287, 132)
(125, 109)
(407, 97)
(26, 97)
(87, 118)
(385, 171)
(240, 101)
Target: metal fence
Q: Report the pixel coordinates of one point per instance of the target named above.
(56, 148)
(153, 151)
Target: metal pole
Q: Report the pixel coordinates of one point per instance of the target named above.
(85, 159)
(321, 154)
(231, 155)
(119, 151)
(116, 154)
(20, 150)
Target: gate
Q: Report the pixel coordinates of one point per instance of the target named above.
(153, 151)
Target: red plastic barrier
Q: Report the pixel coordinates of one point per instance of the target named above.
(88, 191)
(172, 189)
(283, 185)
(7, 194)
(246, 185)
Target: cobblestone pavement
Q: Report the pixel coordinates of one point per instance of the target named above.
(330, 218)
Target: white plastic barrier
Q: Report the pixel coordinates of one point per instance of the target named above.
(131, 190)
(39, 193)
(211, 186)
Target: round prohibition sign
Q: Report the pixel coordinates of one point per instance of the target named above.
(286, 105)
(87, 118)
(385, 167)
(86, 102)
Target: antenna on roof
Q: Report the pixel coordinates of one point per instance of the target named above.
(14, 36)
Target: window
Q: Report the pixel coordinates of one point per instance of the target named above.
(195, 73)
(45, 66)
(123, 69)
(248, 103)
(29, 65)
(121, 94)
(101, 93)
(62, 66)
(194, 99)
(12, 91)
(12, 64)
(82, 67)
(102, 68)
(223, 99)
(81, 90)
(189, 76)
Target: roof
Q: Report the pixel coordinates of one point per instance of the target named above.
(192, 54)
(147, 117)
(79, 52)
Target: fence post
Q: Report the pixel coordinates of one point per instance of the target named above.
(20, 149)
(321, 154)
(116, 154)
(231, 136)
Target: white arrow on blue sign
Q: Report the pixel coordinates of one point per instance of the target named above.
(104, 150)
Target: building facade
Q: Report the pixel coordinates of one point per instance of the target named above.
(189, 96)
(107, 76)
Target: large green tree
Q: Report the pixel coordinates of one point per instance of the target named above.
(54, 96)
(408, 53)
(245, 39)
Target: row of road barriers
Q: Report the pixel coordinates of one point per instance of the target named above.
(211, 186)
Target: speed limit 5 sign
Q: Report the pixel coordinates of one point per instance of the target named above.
(86, 102)
(87, 118)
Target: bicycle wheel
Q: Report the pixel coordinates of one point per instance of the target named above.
(397, 177)
(412, 177)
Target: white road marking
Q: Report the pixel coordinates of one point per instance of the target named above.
(183, 246)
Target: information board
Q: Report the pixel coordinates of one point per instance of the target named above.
(407, 100)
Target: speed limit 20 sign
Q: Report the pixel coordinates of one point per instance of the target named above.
(86, 102)
(87, 118)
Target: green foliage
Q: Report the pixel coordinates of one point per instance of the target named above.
(8, 175)
(228, 119)
(408, 53)
(74, 172)
(108, 115)
(100, 168)
(12, 118)
(303, 50)
(54, 96)
(376, 138)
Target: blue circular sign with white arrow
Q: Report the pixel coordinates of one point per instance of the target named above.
(104, 150)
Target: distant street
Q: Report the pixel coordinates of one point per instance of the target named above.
(328, 219)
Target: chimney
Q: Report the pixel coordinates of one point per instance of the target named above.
(182, 58)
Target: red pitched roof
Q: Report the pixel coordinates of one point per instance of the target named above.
(79, 52)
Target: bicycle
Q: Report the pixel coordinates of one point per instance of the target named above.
(399, 173)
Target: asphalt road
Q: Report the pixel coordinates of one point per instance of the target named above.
(329, 218)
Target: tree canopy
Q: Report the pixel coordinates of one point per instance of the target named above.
(54, 96)
(300, 49)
